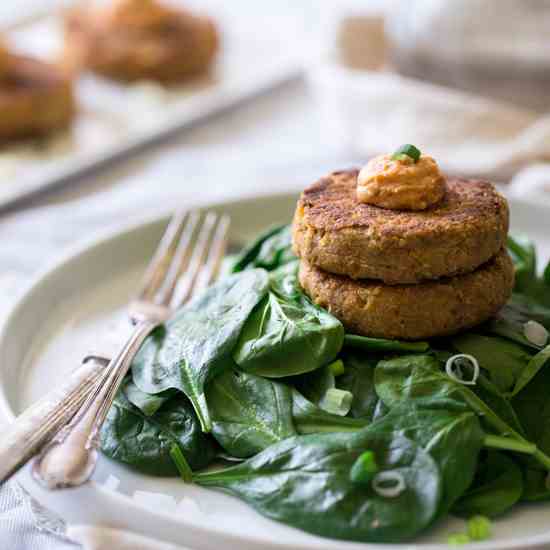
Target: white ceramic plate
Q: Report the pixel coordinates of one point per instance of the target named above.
(55, 323)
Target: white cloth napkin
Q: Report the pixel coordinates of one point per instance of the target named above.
(375, 110)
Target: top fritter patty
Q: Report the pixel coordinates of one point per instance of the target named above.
(338, 234)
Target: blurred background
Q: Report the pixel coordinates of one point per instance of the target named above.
(465, 80)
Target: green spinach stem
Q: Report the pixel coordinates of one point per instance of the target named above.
(381, 344)
(509, 444)
(491, 418)
(201, 408)
(543, 458)
(181, 463)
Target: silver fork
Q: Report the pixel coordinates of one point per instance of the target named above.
(177, 270)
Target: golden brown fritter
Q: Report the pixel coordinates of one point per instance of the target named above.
(157, 43)
(412, 312)
(35, 99)
(336, 233)
(5, 59)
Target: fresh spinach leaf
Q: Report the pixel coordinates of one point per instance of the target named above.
(527, 282)
(523, 253)
(147, 403)
(314, 385)
(498, 402)
(503, 360)
(270, 250)
(144, 442)
(497, 487)
(196, 344)
(488, 392)
(382, 344)
(249, 413)
(287, 334)
(546, 275)
(531, 369)
(305, 482)
(536, 486)
(512, 330)
(533, 409)
(521, 309)
(450, 432)
(310, 419)
(226, 457)
(414, 377)
(358, 378)
(380, 410)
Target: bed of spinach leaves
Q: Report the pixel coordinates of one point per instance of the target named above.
(241, 372)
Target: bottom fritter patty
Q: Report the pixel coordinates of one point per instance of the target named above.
(412, 312)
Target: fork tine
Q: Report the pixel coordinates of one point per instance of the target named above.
(186, 283)
(157, 268)
(211, 268)
(180, 260)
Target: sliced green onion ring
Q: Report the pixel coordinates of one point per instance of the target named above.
(388, 484)
(535, 333)
(337, 401)
(451, 365)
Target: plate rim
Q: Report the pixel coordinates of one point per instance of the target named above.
(100, 238)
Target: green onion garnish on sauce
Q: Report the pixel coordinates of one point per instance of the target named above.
(364, 468)
(407, 150)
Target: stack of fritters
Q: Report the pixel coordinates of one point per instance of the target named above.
(404, 274)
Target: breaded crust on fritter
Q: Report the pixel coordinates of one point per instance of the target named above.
(412, 312)
(335, 232)
(35, 99)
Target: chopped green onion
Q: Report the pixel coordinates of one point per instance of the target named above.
(405, 151)
(456, 539)
(337, 401)
(389, 484)
(337, 367)
(535, 333)
(364, 468)
(479, 528)
(453, 368)
(181, 463)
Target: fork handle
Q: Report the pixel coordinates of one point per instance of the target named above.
(70, 458)
(31, 429)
